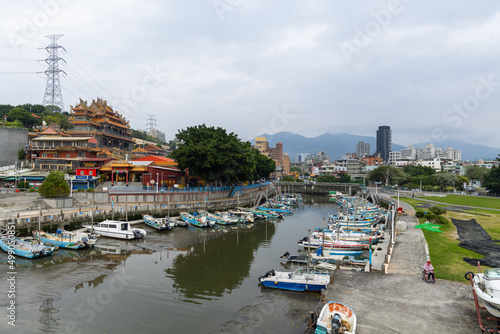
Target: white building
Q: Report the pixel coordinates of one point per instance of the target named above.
(362, 149)
(393, 157)
(436, 164)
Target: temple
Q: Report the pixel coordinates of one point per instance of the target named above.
(100, 121)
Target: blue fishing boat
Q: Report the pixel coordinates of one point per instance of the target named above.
(67, 239)
(160, 224)
(299, 280)
(27, 249)
(196, 220)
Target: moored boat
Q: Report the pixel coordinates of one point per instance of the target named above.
(197, 220)
(164, 223)
(299, 280)
(336, 318)
(67, 239)
(117, 229)
(23, 248)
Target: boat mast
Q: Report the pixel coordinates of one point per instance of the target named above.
(39, 222)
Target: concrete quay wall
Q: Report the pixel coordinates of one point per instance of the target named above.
(128, 206)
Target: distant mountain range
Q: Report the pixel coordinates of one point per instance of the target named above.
(336, 145)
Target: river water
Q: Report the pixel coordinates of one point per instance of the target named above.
(187, 280)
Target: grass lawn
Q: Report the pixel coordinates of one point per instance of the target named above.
(446, 255)
(483, 202)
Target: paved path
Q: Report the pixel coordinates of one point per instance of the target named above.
(400, 302)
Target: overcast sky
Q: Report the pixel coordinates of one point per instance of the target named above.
(430, 71)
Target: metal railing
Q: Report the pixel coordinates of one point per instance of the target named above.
(153, 189)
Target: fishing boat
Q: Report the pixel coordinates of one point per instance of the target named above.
(67, 239)
(336, 318)
(197, 220)
(487, 288)
(117, 229)
(23, 248)
(329, 241)
(161, 224)
(299, 280)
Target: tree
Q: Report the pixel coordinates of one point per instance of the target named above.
(382, 173)
(264, 166)
(21, 154)
(492, 181)
(461, 181)
(444, 179)
(54, 186)
(21, 115)
(215, 155)
(476, 172)
(345, 178)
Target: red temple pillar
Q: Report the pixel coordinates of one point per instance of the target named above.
(111, 175)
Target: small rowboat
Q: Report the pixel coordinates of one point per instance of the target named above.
(336, 318)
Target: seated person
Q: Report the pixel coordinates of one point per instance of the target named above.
(429, 270)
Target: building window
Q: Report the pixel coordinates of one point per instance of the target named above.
(81, 154)
(82, 172)
(56, 155)
(67, 155)
(44, 155)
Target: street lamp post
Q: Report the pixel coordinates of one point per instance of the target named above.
(156, 182)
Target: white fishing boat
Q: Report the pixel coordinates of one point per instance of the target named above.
(336, 318)
(330, 241)
(299, 280)
(487, 288)
(116, 229)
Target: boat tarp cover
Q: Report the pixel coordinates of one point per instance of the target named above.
(472, 236)
(430, 227)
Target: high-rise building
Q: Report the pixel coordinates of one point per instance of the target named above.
(384, 141)
(362, 149)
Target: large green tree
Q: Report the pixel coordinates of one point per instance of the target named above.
(54, 186)
(476, 173)
(393, 174)
(444, 179)
(492, 180)
(215, 155)
(264, 166)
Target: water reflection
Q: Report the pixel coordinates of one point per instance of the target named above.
(219, 265)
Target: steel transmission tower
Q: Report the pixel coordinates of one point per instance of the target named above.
(53, 95)
(151, 123)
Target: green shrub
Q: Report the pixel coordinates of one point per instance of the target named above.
(23, 185)
(80, 190)
(419, 214)
(90, 190)
(441, 220)
(437, 210)
(430, 216)
(32, 190)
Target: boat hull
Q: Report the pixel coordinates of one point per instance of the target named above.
(295, 281)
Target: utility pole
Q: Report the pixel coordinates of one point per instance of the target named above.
(53, 95)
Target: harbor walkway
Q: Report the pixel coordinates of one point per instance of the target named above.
(400, 301)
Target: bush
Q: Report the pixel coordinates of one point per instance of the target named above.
(23, 185)
(430, 216)
(437, 210)
(90, 190)
(32, 190)
(80, 190)
(441, 220)
(419, 214)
